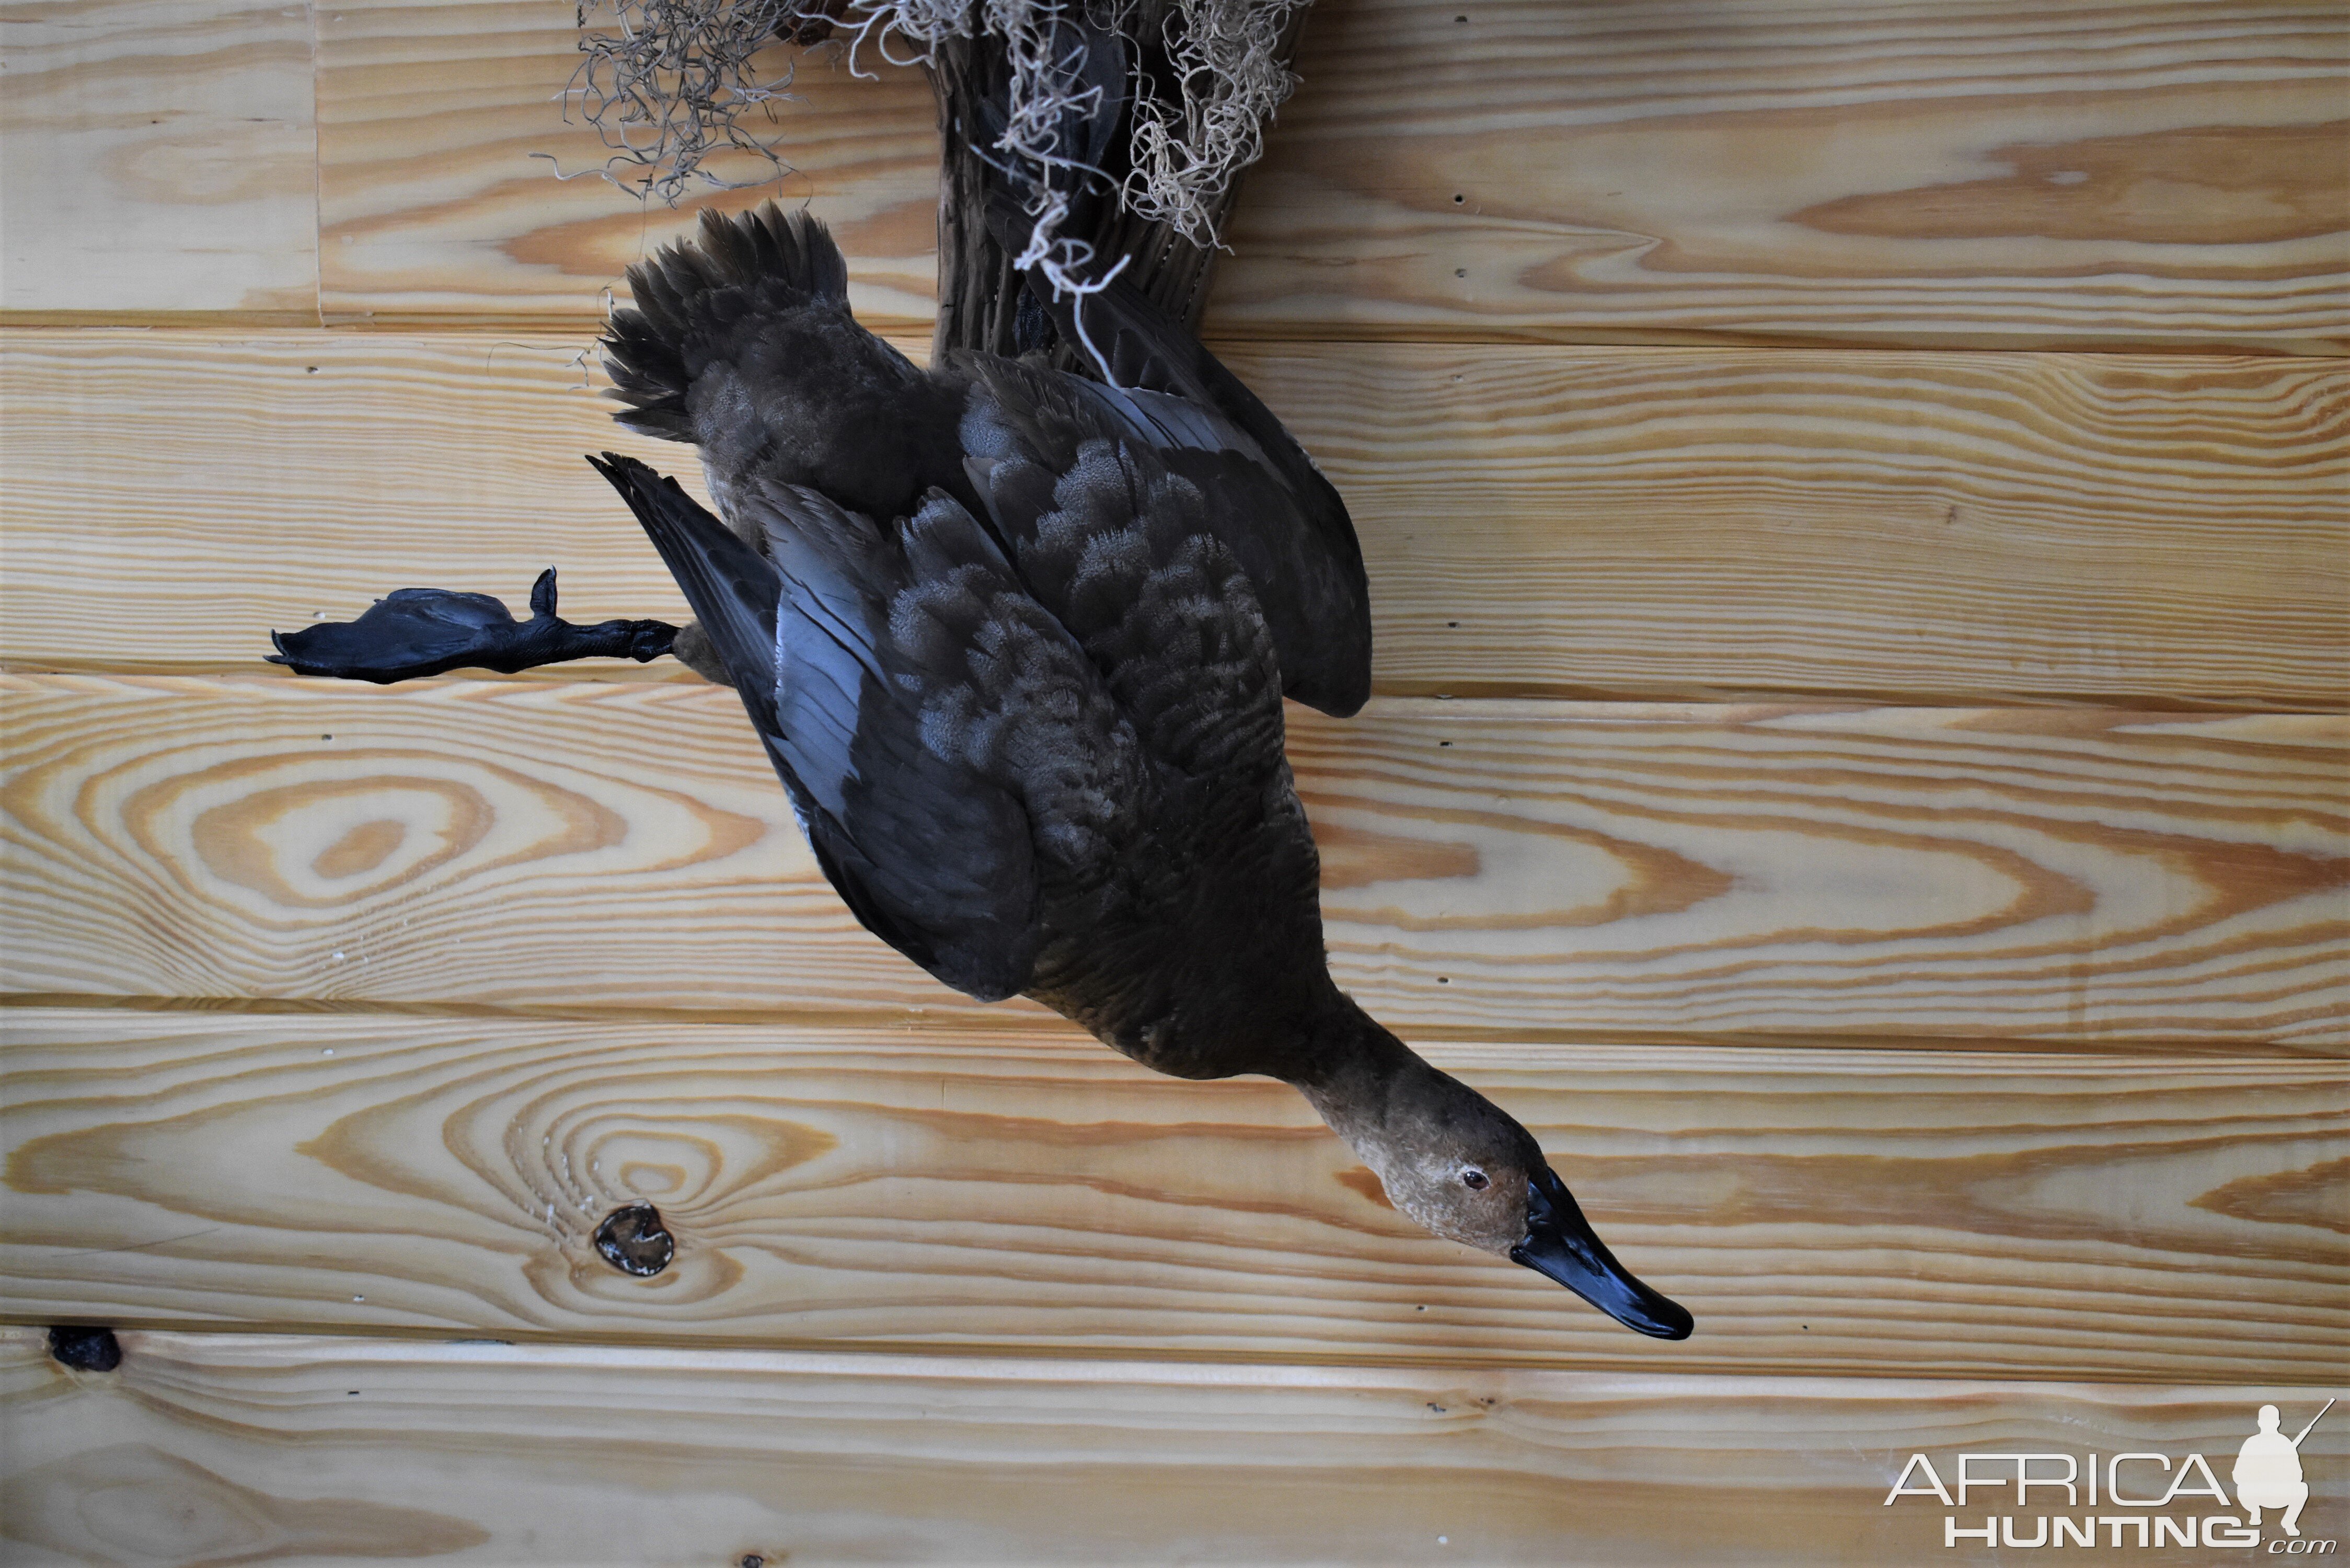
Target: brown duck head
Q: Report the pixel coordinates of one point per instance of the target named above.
(1463, 1167)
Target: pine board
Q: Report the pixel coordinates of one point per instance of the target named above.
(1532, 871)
(1539, 521)
(433, 199)
(2090, 174)
(227, 1448)
(2100, 175)
(1531, 887)
(1973, 1213)
(161, 159)
(2104, 173)
(1507, 868)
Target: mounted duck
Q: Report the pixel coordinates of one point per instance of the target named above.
(1016, 642)
(1015, 638)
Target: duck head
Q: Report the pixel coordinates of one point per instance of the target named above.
(1463, 1167)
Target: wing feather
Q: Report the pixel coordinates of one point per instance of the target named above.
(946, 743)
(1126, 555)
(1025, 427)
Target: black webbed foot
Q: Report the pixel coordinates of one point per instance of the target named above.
(414, 632)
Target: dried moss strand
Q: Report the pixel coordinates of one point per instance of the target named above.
(666, 83)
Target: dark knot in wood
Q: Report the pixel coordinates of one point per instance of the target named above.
(86, 1349)
(634, 1241)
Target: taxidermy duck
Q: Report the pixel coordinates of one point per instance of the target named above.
(1015, 638)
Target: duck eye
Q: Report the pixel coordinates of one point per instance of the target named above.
(1476, 1179)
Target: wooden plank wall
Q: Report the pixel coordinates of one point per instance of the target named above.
(1855, 502)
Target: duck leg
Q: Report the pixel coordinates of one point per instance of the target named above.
(414, 632)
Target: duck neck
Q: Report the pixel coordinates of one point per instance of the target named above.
(1370, 1086)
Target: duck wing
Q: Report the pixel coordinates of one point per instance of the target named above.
(1255, 491)
(1128, 554)
(942, 738)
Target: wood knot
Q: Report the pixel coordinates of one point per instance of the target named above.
(86, 1349)
(634, 1241)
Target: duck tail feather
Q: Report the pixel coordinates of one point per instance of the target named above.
(733, 589)
(765, 261)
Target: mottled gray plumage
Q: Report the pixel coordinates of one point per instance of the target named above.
(1016, 642)
(1044, 584)
(744, 346)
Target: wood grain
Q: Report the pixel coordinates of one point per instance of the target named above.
(484, 974)
(1537, 870)
(433, 200)
(1985, 172)
(2090, 174)
(1539, 521)
(2100, 175)
(1958, 1213)
(499, 1454)
(161, 159)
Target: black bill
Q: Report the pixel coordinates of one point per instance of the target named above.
(1560, 1245)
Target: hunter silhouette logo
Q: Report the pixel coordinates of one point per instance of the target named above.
(2268, 1471)
(2267, 1477)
